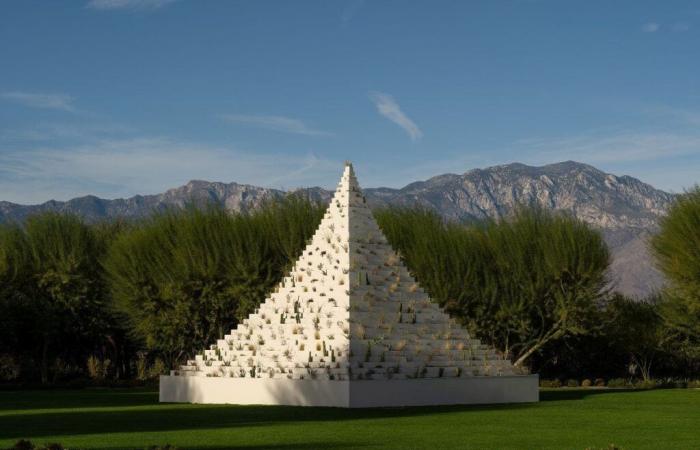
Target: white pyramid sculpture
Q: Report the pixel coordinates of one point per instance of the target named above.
(348, 326)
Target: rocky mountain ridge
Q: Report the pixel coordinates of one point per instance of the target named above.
(624, 208)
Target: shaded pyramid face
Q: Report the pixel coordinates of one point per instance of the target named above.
(348, 310)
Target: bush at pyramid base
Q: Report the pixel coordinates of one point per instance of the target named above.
(350, 327)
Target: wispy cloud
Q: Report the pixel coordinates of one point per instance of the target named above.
(350, 10)
(651, 27)
(63, 132)
(387, 107)
(680, 27)
(39, 100)
(106, 5)
(677, 27)
(275, 123)
(678, 115)
(116, 162)
(612, 147)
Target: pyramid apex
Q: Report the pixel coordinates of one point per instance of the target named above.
(348, 167)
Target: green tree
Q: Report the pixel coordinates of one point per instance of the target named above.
(519, 283)
(636, 328)
(677, 251)
(551, 277)
(184, 278)
(16, 319)
(451, 261)
(53, 287)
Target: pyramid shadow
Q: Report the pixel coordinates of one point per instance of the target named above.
(170, 417)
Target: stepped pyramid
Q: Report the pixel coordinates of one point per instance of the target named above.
(348, 326)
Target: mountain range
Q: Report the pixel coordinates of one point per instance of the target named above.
(626, 210)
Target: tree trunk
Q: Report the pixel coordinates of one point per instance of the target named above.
(644, 364)
(45, 360)
(551, 335)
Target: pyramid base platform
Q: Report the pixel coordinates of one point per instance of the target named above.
(350, 394)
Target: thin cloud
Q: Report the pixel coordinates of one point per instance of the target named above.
(680, 27)
(42, 101)
(651, 27)
(679, 115)
(65, 132)
(126, 166)
(275, 123)
(350, 10)
(387, 107)
(107, 5)
(612, 147)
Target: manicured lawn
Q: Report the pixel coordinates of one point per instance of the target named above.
(132, 418)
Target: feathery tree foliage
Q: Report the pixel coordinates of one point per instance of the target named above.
(677, 251)
(519, 283)
(16, 318)
(184, 278)
(172, 284)
(53, 288)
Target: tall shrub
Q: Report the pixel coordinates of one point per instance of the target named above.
(184, 278)
(16, 318)
(551, 273)
(53, 288)
(520, 283)
(636, 330)
(450, 260)
(677, 251)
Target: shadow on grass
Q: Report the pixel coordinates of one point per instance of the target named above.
(192, 417)
(297, 446)
(76, 398)
(165, 417)
(145, 414)
(579, 393)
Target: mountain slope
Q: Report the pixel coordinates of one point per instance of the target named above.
(601, 199)
(624, 208)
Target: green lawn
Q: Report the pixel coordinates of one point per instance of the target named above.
(133, 418)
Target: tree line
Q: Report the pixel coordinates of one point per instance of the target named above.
(121, 300)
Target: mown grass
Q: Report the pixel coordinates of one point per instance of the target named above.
(564, 419)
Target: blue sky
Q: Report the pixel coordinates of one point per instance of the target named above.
(119, 97)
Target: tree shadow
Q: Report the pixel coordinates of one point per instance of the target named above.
(150, 416)
(296, 446)
(14, 400)
(580, 393)
(139, 411)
